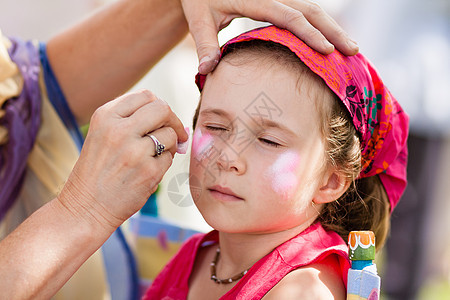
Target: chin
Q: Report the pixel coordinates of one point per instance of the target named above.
(228, 226)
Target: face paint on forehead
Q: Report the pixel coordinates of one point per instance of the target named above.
(282, 174)
(201, 144)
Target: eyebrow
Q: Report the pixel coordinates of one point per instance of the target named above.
(216, 111)
(268, 123)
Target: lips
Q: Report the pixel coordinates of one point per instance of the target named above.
(224, 193)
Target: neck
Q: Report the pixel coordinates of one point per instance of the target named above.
(240, 251)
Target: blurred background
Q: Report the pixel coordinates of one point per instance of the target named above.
(408, 41)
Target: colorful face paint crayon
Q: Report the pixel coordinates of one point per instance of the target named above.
(363, 280)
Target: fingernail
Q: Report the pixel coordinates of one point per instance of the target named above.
(217, 58)
(188, 131)
(182, 147)
(204, 59)
(204, 65)
(328, 46)
(205, 68)
(352, 45)
(207, 64)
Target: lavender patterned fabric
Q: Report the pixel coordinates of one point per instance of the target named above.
(22, 120)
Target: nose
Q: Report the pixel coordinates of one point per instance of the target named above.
(231, 161)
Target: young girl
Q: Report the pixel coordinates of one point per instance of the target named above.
(291, 151)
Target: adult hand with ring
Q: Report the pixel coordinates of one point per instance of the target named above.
(120, 166)
(112, 179)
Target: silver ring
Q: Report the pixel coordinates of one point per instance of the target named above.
(159, 148)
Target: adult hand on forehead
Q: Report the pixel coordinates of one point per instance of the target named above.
(306, 19)
(117, 170)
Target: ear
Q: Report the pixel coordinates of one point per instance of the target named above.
(333, 187)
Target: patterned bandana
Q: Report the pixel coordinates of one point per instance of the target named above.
(377, 116)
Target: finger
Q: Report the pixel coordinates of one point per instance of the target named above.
(165, 136)
(155, 170)
(155, 115)
(292, 19)
(162, 163)
(323, 22)
(297, 23)
(204, 31)
(303, 18)
(128, 103)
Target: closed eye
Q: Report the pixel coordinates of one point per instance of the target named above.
(215, 128)
(270, 142)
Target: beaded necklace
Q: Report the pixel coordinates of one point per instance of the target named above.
(226, 280)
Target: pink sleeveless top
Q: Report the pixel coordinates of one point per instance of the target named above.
(311, 246)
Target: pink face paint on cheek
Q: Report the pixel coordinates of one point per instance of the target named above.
(283, 174)
(201, 144)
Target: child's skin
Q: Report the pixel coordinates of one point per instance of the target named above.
(274, 180)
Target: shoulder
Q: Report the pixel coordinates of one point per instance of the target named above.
(185, 254)
(190, 247)
(316, 281)
(175, 274)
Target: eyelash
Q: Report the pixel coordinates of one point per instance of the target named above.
(270, 143)
(263, 140)
(214, 128)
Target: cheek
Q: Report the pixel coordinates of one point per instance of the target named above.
(201, 144)
(282, 175)
(202, 148)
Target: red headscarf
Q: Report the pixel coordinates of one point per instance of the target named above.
(377, 116)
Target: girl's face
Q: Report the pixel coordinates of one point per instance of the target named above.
(258, 155)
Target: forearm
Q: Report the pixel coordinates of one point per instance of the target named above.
(111, 181)
(45, 251)
(103, 56)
